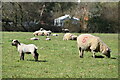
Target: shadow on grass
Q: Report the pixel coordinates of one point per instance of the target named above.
(99, 56)
(38, 60)
(113, 58)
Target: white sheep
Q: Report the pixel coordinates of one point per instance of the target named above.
(23, 48)
(42, 33)
(69, 36)
(36, 33)
(47, 33)
(88, 42)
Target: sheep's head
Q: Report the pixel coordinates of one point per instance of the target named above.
(107, 52)
(74, 37)
(15, 42)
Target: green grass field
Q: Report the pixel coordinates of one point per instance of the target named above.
(58, 58)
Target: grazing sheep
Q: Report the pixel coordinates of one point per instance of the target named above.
(88, 42)
(34, 38)
(23, 48)
(69, 36)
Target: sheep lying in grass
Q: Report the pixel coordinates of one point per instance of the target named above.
(74, 37)
(34, 38)
(69, 36)
(38, 33)
(87, 42)
(23, 48)
(47, 33)
(42, 33)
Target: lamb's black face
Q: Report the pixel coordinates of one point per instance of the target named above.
(15, 42)
(108, 53)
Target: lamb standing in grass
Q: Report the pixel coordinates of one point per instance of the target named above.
(87, 42)
(23, 48)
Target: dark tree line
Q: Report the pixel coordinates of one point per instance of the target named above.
(31, 16)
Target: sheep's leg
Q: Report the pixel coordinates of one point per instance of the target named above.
(93, 48)
(35, 55)
(21, 56)
(81, 52)
(93, 53)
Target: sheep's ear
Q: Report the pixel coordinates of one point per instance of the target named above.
(16, 40)
(107, 49)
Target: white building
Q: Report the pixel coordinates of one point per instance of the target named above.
(60, 21)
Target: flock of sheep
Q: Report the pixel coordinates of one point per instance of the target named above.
(85, 42)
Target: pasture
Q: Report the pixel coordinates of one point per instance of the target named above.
(58, 58)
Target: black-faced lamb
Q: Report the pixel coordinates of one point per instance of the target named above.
(28, 49)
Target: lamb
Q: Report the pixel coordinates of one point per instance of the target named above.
(69, 36)
(88, 42)
(23, 48)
